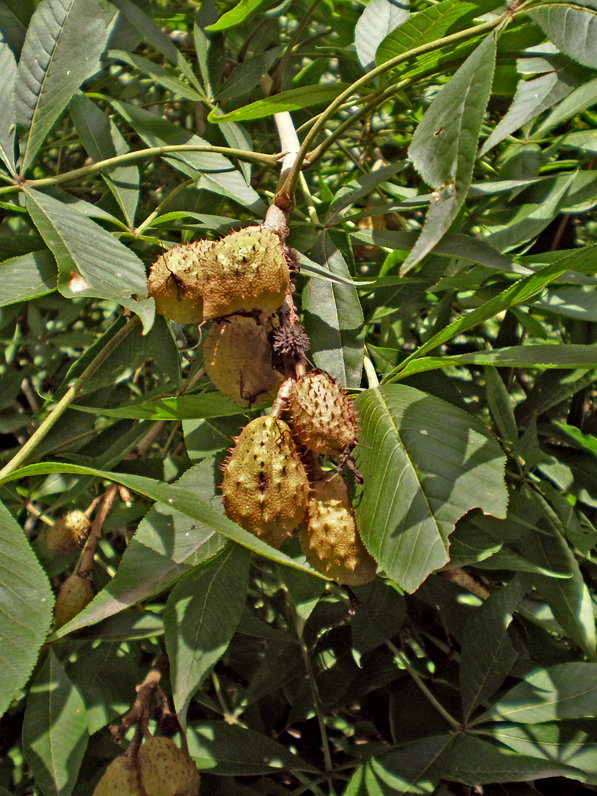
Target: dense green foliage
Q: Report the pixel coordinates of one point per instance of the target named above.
(444, 226)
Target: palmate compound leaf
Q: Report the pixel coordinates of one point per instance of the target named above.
(25, 608)
(426, 463)
(444, 145)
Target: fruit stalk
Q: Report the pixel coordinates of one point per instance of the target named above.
(85, 562)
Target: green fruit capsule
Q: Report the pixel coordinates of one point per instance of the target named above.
(68, 532)
(120, 779)
(330, 540)
(245, 272)
(237, 357)
(175, 282)
(166, 770)
(265, 487)
(323, 417)
(75, 594)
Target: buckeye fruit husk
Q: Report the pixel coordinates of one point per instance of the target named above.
(265, 488)
(75, 594)
(68, 532)
(246, 271)
(237, 357)
(330, 539)
(323, 417)
(166, 770)
(176, 281)
(121, 778)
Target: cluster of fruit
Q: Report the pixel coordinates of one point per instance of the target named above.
(272, 480)
(159, 768)
(269, 487)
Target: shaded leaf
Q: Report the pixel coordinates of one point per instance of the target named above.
(425, 464)
(413, 768)
(378, 618)
(246, 76)
(444, 145)
(569, 598)
(14, 21)
(334, 318)
(208, 436)
(379, 19)
(25, 608)
(107, 678)
(564, 691)
(231, 750)
(54, 729)
(27, 277)
(573, 743)
(500, 405)
(91, 262)
(475, 762)
(150, 32)
(64, 43)
(487, 654)
(201, 616)
(525, 222)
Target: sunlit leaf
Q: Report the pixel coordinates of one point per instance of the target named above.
(25, 608)
(444, 145)
(64, 42)
(425, 463)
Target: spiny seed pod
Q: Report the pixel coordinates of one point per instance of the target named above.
(237, 357)
(74, 595)
(166, 770)
(175, 281)
(265, 487)
(330, 540)
(246, 271)
(68, 532)
(122, 778)
(323, 417)
(290, 341)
